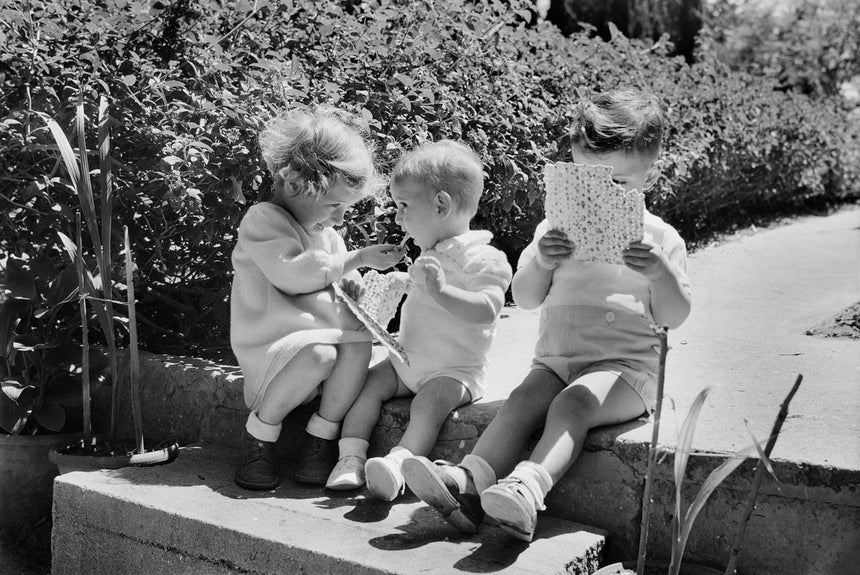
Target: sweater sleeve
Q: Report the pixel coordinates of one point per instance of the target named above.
(276, 249)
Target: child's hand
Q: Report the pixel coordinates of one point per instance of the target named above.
(381, 256)
(428, 272)
(353, 288)
(553, 249)
(647, 258)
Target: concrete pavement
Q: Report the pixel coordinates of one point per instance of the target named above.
(754, 297)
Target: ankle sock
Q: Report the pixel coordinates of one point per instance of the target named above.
(398, 454)
(536, 477)
(352, 446)
(261, 430)
(482, 474)
(321, 427)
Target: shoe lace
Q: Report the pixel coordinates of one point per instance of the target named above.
(260, 450)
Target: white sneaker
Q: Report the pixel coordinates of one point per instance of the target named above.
(347, 474)
(514, 503)
(384, 478)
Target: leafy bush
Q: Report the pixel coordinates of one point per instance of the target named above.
(190, 84)
(810, 46)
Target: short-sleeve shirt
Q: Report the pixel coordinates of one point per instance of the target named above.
(439, 342)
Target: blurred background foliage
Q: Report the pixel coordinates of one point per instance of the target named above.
(760, 117)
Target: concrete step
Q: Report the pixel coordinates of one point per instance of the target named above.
(189, 517)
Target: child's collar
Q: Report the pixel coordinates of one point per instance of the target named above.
(470, 238)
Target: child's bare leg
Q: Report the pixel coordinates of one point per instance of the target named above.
(382, 384)
(296, 382)
(346, 380)
(453, 490)
(597, 398)
(523, 413)
(429, 409)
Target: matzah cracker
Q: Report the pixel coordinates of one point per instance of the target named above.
(598, 216)
(382, 295)
(379, 332)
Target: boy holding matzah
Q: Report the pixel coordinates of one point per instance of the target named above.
(448, 320)
(602, 285)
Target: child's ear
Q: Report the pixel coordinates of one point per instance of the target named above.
(653, 174)
(443, 202)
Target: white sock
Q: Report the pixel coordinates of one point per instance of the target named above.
(536, 477)
(353, 446)
(321, 427)
(398, 454)
(482, 474)
(261, 430)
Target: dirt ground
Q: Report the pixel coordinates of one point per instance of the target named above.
(845, 324)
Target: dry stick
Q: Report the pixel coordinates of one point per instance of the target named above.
(759, 475)
(662, 334)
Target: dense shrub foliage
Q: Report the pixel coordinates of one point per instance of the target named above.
(810, 46)
(190, 84)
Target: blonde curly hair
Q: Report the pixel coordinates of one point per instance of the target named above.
(311, 149)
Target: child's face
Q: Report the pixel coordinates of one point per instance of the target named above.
(417, 212)
(631, 170)
(314, 215)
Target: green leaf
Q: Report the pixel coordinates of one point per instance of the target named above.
(713, 480)
(11, 311)
(24, 396)
(20, 280)
(51, 416)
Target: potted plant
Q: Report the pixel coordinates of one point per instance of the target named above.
(40, 399)
(682, 521)
(96, 293)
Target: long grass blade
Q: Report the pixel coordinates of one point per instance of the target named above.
(85, 341)
(134, 363)
(66, 152)
(85, 190)
(682, 457)
(713, 480)
(106, 184)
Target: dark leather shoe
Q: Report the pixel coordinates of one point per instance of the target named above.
(434, 486)
(318, 458)
(256, 469)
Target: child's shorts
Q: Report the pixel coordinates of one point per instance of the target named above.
(568, 371)
(578, 339)
(414, 380)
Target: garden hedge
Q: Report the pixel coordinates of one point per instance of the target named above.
(190, 83)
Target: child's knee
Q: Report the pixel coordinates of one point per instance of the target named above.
(577, 401)
(323, 355)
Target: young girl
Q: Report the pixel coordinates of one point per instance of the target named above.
(448, 320)
(293, 339)
(595, 360)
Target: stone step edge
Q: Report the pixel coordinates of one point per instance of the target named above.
(190, 512)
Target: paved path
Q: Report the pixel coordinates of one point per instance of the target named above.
(754, 296)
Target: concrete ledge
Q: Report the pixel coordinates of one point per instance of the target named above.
(807, 520)
(189, 518)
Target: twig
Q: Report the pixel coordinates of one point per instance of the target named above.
(759, 475)
(662, 334)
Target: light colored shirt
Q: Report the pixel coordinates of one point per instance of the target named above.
(439, 342)
(597, 284)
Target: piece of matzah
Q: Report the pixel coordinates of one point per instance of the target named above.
(382, 295)
(598, 216)
(375, 328)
